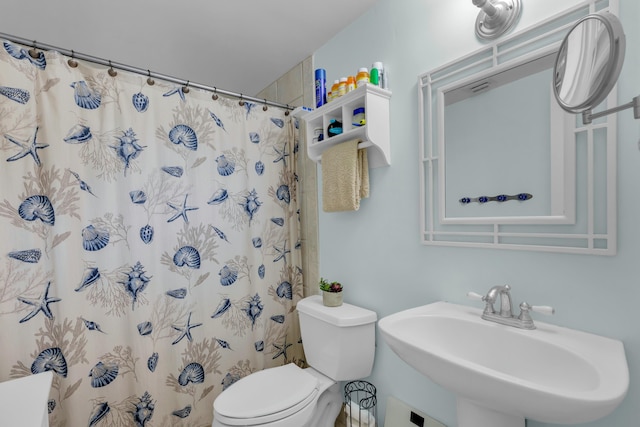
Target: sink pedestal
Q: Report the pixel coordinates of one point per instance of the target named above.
(471, 414)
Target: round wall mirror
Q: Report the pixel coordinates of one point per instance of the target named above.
(589, 62)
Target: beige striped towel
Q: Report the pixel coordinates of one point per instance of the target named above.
(345, 177)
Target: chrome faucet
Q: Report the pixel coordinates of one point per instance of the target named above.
(505, 314)
(506, 309)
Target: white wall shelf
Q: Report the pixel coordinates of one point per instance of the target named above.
(374, 135)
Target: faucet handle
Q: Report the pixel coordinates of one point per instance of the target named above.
(488, 303)
(476, 296)
(526, 308)
(544, 309)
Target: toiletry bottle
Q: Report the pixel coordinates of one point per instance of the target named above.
(385, 78)
(334, 90)
(321, 87)
(363, 77)
(378, 66)
(342, 86)
(351, 83)
(374, 77)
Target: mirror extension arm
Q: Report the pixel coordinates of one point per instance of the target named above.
(588, 64)
(588, 116)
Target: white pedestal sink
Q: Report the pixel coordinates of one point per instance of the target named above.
(503, 375)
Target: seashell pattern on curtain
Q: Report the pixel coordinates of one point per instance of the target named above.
(149, 250)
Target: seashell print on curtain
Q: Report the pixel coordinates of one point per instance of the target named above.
(149, 250)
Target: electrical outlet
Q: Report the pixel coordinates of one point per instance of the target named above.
(399, 414)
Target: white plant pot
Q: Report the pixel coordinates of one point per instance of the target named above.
(332, 299)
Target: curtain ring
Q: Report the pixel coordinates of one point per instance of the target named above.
(72, 62)
(215, 93)
(111, 71)
(286, 113)
(33, 52)
(185, 89)
(241, 100)
(150, 81)
(264, 107)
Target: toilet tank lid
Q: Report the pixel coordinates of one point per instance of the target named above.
(344, 315)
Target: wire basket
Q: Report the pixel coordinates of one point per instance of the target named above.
(360, 404)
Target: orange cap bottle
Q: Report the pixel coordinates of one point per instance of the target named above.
(351, 83)
(334, 90)
(363, 77)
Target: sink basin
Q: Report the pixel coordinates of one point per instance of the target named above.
(501, 374)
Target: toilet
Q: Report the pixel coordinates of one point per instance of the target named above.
(339, 344)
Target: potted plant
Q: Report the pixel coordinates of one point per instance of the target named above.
(331, 293)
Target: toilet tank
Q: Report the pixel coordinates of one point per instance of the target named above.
(338, 341)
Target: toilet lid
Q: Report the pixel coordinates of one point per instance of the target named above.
(273, 393)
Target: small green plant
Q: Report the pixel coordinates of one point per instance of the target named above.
(330, 287)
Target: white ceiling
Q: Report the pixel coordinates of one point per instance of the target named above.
(237, 45)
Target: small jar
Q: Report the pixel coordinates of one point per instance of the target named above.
(334, 128)
(363, 77)
(318, 135)
(358, 117)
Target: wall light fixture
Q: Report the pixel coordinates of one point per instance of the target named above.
(496, 17)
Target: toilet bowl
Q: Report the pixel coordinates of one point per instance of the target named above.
(286, 396)
(339, 344)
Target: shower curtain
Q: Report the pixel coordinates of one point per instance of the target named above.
(149, 241)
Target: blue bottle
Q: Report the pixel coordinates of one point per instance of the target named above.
(321, 87)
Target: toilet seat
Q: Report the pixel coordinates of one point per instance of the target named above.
(267, 396)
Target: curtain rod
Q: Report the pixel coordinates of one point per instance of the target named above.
(77, 55)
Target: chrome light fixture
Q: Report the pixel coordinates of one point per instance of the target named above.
(496, 17)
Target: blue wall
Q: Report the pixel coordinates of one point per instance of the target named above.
(377, 253)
